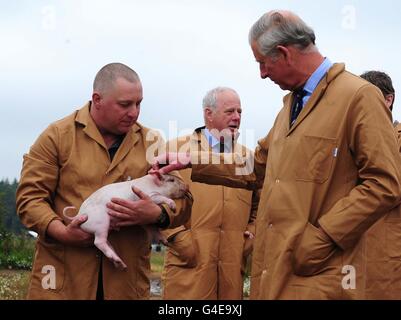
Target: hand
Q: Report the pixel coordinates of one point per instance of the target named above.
(72, 234)
(127, 212)
(248, 243)
(167, 162)
(313, 251)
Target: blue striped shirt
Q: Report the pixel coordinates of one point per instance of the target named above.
(315, 78)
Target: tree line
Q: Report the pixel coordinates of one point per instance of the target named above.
(9, 220)
(16, 247)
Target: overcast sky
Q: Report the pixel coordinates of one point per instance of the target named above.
(51, 51)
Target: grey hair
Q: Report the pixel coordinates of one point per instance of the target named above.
(107, 75)
(210, 99)
(273, 29)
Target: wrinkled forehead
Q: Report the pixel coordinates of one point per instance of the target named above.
(228, 99)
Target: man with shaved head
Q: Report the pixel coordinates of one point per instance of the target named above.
(329, 167)
(99, 144)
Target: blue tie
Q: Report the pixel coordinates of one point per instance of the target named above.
(222, 145)
(297, 104)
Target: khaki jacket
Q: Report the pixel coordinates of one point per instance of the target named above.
(383, 280)
(336, 168)
(204, 257)
(398, 133)
(67, 163)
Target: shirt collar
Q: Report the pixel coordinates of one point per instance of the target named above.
(211, 139)
(214, 143)
(315, 78)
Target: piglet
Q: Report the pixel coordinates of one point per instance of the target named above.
(98, 223)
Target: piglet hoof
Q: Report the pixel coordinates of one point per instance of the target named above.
(171, 204)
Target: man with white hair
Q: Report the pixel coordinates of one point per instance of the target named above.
(204, 257)
(329, 169)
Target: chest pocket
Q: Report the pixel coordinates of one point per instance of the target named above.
(315, 160)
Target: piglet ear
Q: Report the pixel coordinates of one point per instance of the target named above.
(157, 178)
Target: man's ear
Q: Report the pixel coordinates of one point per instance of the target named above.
(96, 97)
(389, 98)
(285, 53)
(208, 114)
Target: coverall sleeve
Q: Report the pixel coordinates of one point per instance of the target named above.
(38, 183)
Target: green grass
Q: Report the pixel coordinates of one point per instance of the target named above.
(16, 251)
(157, 261)
(14, 284)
